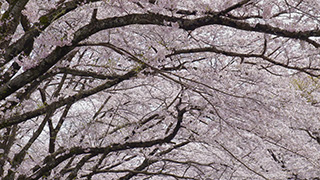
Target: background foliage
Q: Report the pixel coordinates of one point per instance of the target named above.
(159, 89)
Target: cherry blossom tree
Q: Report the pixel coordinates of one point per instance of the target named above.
(159, 89)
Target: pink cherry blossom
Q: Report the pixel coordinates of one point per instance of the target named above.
(159, 89)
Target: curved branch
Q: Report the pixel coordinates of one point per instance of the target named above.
(77, 72)
(28, 38)
(24, 117)
(105, 150)
(150, 18)
(306, 70)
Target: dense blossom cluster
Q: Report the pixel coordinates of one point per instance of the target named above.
(159, 89)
